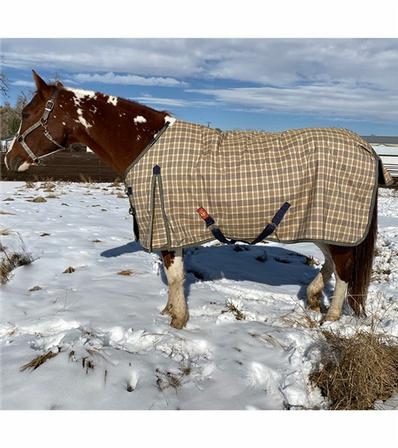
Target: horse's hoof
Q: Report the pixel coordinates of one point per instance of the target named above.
(314, 307)
(331, 317)
(314, 302)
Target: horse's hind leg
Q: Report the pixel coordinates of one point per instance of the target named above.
(315, 288)
(176, 305)
(343, 262)
(339, 294)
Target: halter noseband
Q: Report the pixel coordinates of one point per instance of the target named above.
(20, 138)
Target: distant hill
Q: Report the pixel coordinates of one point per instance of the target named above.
(381, 139)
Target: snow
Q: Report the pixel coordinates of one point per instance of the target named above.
(385, 150)
(114, 350)
(389, 156)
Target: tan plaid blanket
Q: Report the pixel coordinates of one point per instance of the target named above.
(329, 176)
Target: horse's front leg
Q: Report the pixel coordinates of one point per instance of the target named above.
(176, 305)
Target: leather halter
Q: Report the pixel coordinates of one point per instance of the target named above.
(20, 138)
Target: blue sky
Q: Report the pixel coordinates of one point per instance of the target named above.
(269, 84)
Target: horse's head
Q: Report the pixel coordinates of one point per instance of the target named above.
(41, 131)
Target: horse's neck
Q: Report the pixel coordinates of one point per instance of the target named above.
(115, 129)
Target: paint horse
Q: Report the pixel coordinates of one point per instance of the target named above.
(119, 132)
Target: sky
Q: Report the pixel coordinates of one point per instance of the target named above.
(266, 84)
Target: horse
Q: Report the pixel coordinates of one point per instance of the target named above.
(119, 131)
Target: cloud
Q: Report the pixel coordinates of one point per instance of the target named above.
(344, 100)
(258, 61)
(145, 57)
(112, 78)
(157, 101)
(173, 102)
(23, 83)
(350, 78)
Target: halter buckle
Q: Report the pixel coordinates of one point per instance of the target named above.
(49, 105)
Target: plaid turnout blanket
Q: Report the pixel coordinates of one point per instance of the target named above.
(241, 178)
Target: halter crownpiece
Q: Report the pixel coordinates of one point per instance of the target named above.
(20, 138)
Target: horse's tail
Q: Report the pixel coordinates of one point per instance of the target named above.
(363, 259)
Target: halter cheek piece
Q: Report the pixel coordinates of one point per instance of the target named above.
(20, 138)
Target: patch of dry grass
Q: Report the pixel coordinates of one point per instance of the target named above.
(232, 308)
(174, 380)
(38, 361)
(126, 272)
(311, 261)
(10, 261)
(37, 199)
(357, 370)
(85, 179)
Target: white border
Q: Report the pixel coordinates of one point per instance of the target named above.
(199, 18)
(197, 429)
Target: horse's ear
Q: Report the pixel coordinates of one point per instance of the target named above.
(41, 85)
(59, 84)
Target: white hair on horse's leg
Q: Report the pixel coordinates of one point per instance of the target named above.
(315, 288)
(339, 295)
(176, 301)
(340, 290)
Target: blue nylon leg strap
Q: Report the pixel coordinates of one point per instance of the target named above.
(268, 230)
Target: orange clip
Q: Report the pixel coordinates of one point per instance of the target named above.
(202, 213)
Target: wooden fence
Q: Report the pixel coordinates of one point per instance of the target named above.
(87, 166)
(67, 166)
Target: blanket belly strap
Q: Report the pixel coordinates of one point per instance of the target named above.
(268, 229)
(156, 184)
(133, 213)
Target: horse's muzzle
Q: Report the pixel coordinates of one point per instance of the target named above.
(13, 163)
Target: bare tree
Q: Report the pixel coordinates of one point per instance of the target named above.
(10, 116)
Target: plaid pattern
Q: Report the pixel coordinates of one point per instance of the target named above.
(329, 176)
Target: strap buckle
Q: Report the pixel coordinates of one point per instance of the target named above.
(49, 105)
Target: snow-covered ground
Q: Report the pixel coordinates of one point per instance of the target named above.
(389, 157)
(250, 343)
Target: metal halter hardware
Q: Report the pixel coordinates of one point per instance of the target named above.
(20, 138)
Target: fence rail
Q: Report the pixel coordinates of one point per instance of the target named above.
(82, 166)
(67, 166)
